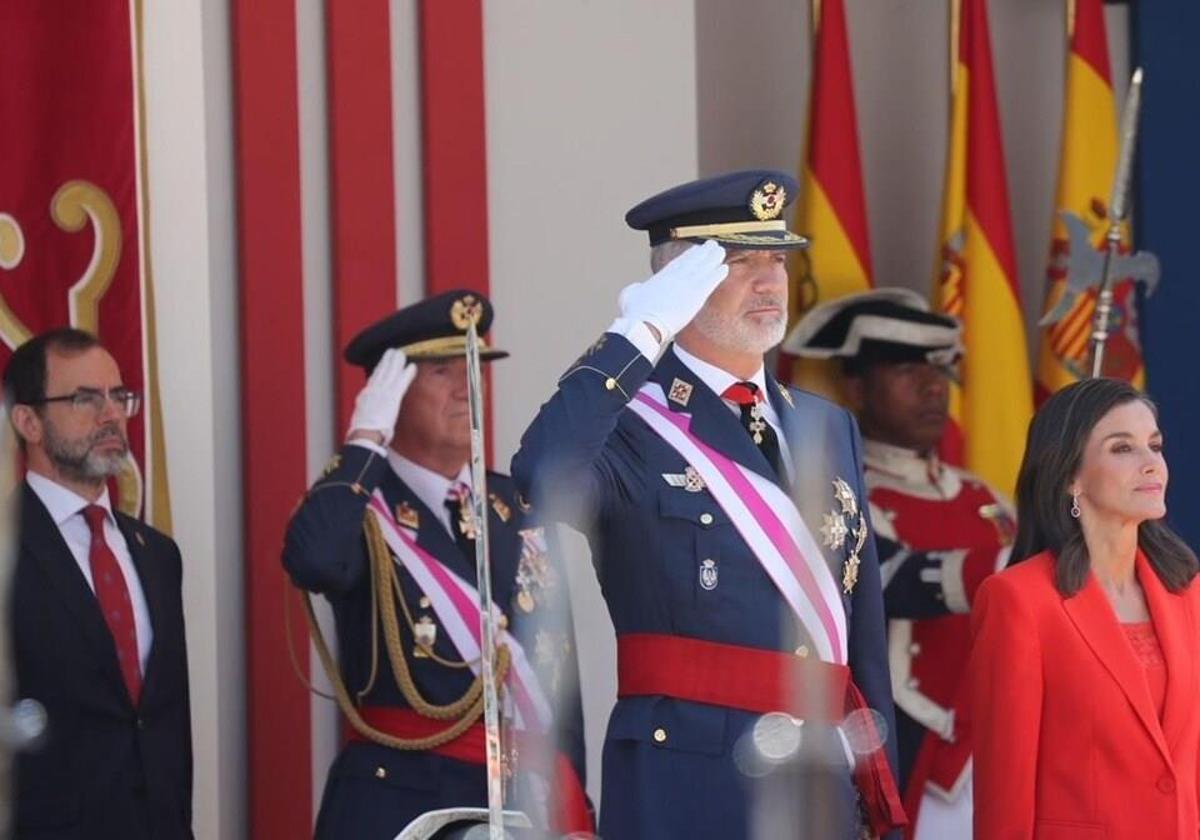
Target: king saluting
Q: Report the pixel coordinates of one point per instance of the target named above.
(727, 519)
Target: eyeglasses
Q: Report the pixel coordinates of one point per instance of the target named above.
(92, 400)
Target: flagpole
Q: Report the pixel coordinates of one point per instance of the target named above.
(1118, 211)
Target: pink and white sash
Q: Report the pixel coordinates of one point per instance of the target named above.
(456, 603)
(767, 520)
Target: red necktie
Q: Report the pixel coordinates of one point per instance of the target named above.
(750, 400)
(113, 595)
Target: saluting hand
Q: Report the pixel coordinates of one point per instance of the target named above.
(378, 404)
(669, 300)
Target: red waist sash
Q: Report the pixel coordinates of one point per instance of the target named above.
(762, 681)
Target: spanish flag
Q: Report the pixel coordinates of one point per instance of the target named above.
(978, 277)
(832, 212)
(1089, 159)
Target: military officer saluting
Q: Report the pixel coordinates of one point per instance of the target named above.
(946, 529)
(387, 536)
(723, 512)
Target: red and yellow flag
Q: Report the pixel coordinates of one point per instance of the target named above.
(978, 279)
(1089, 159)
(73, 237)
(832, 211)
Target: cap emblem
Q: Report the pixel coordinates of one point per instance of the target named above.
(466, 311)
(767, 201)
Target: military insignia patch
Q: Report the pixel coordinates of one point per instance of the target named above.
(425, 637)
(465, 311)
(680, 392)
(502, 510)
(767, 201)
(708, 575)
(407, 516)
(689, 479)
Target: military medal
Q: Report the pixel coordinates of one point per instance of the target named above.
(833, 530)
(425, 636)
(757, 424)
(534, 573)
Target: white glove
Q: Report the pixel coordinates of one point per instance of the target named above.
(378, 404)
(670, 299)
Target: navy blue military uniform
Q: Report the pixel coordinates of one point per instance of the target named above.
(670, 562)
(373, 790)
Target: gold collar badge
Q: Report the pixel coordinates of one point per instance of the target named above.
(407, 516)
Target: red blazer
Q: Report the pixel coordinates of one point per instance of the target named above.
(1068, 744)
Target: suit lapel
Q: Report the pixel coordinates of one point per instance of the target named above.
(712, 420)
(1095, 620)
(1174, 624)
(41, 540)
(149, 576)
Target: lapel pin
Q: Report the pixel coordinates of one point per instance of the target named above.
(680, 392)
(407, 516)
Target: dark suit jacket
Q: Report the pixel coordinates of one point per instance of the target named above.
(104, 769)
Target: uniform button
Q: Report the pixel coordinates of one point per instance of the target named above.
(503, 622)
(660, 736)
(424, 602)
(1166, 784)
(913, 682)
(914, 648)
(140, 723)
(380, 772)
(802, 651)
(706, 519)
(610, 383)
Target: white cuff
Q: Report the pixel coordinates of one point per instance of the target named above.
(639, 336)
(369, 444)
(953, 587)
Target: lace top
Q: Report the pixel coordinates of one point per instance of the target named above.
(1148, 652)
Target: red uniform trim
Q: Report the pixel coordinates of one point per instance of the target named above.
(570, 802)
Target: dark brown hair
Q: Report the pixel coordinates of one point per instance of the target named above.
(1053, 452)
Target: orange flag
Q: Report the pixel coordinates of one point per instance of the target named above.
(1089, 159)
(832, 212)
(978, 280)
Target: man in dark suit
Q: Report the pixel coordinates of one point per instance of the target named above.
(387, 535)
(726, 515)
(96, 612)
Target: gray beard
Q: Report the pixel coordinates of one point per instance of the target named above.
(739, 334)
(76, 460)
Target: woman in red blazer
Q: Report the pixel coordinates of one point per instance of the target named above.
(1086, 689)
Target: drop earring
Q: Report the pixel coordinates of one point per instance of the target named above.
(1075, 505)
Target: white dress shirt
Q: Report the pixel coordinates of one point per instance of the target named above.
(66, 509)
(430, 487)
(718, 379)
